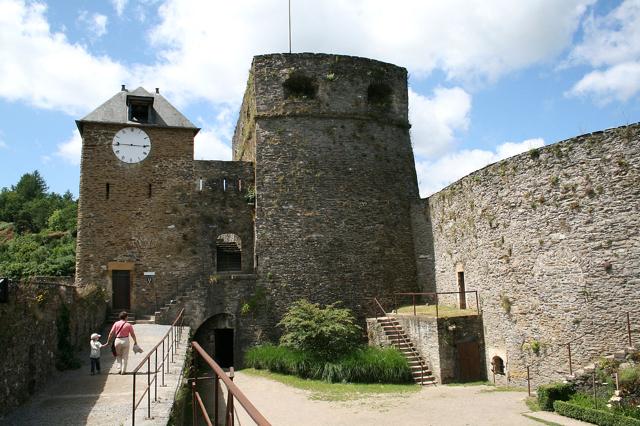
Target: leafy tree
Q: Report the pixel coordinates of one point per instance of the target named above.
(327, 332)
(31, 186)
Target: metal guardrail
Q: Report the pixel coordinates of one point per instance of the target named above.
(169, 349)
(435, 296)
(233, 393)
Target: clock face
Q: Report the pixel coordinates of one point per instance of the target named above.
(131, 145)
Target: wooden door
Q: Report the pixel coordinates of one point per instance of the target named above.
(469, 362)
(120, 281)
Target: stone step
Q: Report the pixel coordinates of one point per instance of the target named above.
(427, 381)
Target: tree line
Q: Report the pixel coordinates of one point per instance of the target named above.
(37, 229)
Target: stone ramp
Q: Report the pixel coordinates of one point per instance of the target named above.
(77, 398)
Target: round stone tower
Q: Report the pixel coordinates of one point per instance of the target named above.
(335, 176)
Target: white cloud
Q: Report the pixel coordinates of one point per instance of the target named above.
(437, 174)
(70, 150)
(205, 47)
(3, 144)
(42, 68)
(435, 120)
(611, 44)
(208, 144)
(119, 6)
(96, 24)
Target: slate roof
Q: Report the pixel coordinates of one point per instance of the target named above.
(115, 110)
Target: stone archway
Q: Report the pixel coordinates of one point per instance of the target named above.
(217, 336)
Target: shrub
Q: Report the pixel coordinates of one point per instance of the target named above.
(328, 332)
(547, 394)
(591, 415)
(365, 365)
(629, 379)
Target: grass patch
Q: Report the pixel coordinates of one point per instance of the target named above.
(478, 383)
(532, 403)
(324, 391)
(505, 389)
(430, 311)
(365, 365)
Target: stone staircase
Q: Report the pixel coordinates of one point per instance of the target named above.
(620, 356)
(394, 332)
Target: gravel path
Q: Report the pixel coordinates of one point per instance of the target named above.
(441, 405)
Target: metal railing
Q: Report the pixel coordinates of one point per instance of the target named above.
(168, 350)
(407, 342)
(233, 393)
(434, 296)
(567, 345)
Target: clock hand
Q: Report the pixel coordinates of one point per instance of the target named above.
(130, 144)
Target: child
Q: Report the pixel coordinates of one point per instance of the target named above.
(95, 353)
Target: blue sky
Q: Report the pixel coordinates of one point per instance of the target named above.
(488, 78)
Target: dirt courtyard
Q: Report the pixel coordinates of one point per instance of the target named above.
(436, 405)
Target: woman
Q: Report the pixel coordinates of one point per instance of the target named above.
(121, 331)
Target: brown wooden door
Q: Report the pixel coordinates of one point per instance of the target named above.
(120, 281)
(469, 362)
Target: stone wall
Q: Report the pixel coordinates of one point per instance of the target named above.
(334, 179)
(32, 322)
(550, 238)
(162, 215)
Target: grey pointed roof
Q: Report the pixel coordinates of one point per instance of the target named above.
(116, 110)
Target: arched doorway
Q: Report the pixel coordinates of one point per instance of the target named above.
(216, 336)
(228, 253)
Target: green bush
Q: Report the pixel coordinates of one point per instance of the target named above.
(364, 365)
(328, 332)
(547, 394)
(629, 379)
(591, 415)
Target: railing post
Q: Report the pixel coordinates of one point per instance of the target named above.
(216, 395)
(570, 366)
(413, 299)
(436, 305)
(629, 329)
(162, 362)
(155, 377)
(133, 407)
(477, 302)
(528, 381)
(193, 402)
(148, 388)
(231, 416)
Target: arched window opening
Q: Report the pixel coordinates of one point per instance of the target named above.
(228, 253)
(497, 365)
(379, 94)
(299, 85)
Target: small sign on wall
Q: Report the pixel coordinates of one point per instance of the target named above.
(4, 290)
(149, 276)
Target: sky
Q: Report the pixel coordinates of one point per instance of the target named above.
(488, 79)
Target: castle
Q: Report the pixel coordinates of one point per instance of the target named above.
(321, 201)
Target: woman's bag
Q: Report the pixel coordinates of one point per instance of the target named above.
(113, 344)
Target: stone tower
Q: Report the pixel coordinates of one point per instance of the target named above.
(335, 177)
(136, 173)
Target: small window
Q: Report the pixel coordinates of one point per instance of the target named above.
(150, 190)
(497, 365)
(107, 190)
(379, 94)
(300, 86)
(228, 253)
(139, 113)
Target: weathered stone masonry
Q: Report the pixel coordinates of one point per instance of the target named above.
(550, 238)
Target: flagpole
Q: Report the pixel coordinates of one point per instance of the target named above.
(289, 26)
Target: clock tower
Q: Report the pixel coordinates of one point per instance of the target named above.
(136, 181)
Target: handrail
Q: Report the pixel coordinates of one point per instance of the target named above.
(233, 391)
(173, 337)
(413, 294)
(406, 341)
